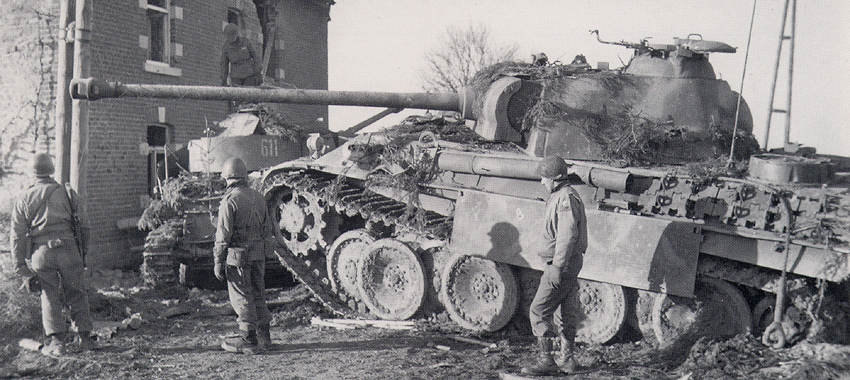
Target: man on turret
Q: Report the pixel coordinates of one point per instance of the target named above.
(244, 232)
(565, 238)
(43, 232)
(239, 60)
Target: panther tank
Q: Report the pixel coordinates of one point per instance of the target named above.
(442, 218)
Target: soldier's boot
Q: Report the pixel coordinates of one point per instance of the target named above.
(565, 360)
(55, 346)
(85, 341)
(544, 365)
(264, 336)
(246, 343)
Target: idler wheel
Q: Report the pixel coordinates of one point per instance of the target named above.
(343, 258)
(479, 294)
(299, 215)
(599, 309)
(391, 280)
(717, 310)
(643, 313)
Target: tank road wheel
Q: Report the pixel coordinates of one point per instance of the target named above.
(343, 258)
(793, 320)
(300, 222)
(599, 309)
(391, 280)
(717, 310)
(479, 294)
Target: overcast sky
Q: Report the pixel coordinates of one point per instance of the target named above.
(378, 45)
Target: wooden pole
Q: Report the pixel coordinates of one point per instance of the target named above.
(79, 109)
(790, 74)
(64, 68)
(770, 109)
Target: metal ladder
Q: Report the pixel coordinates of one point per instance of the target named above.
(783, 37)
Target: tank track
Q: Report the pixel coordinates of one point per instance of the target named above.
(160, 267)
(350, 200)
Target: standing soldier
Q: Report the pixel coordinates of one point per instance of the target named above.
(239, 60)
(43, 231)
(244, 232)
(565, 236)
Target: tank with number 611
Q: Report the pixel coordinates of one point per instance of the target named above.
(180, 251)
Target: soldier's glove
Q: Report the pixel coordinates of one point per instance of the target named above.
(31, 284)
(218, 269)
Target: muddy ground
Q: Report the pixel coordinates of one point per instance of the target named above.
(176, 334)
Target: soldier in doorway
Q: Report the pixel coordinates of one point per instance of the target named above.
(244, 233)
(565, 236)
(239, 61)
(45, 232)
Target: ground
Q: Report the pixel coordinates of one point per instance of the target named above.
(178, 336)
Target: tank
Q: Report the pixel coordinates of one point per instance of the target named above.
(441, 217)
(181, 219)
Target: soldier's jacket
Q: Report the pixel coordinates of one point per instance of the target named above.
(565, 232)
(243, 222)
(53, 220)
(241, 58)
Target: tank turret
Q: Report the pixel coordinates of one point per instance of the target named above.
(667, 98)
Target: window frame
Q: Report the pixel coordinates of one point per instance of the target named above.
(154, 153)
(163, 66)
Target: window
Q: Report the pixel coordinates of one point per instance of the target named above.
(233, 16)
(159, 49)
(157, 139)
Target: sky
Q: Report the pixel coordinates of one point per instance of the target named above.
(378, 45)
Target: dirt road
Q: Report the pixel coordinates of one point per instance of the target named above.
(187, 346)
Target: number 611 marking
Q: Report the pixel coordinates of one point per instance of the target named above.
(269, 147)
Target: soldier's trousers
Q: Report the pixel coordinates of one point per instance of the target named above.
(60, 271)
(555, 287)
(246, 287)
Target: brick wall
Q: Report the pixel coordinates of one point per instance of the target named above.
(301, 55)
(117, 171)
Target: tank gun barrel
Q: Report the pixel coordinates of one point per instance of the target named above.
(94, 89)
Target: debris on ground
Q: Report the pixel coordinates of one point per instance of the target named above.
(739, 356)
(180, 309)
(30, 344)
(349, 324)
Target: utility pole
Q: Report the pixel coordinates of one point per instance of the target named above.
(64, 70)
(80, 114)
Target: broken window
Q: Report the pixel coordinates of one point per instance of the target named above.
(160, 31)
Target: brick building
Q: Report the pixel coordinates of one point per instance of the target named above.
(178, 42)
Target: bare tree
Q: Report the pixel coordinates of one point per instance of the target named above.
(461, 54)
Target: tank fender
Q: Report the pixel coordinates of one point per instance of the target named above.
(644, 253)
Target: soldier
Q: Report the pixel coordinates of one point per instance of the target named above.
(43, 225)
(565, 236)
(239, 60)
(244, 233)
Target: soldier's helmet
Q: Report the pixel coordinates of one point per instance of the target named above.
(234, 168)
(553, 167)
(42, 164)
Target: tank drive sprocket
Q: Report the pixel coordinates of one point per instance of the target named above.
(300, 222)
